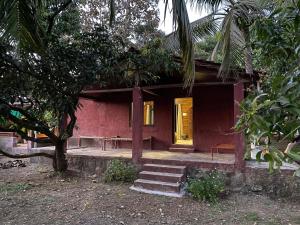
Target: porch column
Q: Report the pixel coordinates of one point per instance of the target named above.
(238, 96)
(137, 124)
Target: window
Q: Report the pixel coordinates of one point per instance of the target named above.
(148, 113)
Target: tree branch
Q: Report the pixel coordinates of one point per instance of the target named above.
(34, 124)
(17, 156)
(71, 124)
(51, 18)
(23, 135)
(24, 113)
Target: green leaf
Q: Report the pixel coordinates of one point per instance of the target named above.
(296, 22)
(258, 156)
(268, 157)
(283, 101)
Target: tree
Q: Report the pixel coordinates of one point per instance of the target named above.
(231, 22)
(44, 67)
(271, 114)
(135, 21)
(52, 83)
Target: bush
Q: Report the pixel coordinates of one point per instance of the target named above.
(120, 171)
(207, 188)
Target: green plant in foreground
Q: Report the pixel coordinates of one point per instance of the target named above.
(14, 188)
(207, 188)
(120, 171)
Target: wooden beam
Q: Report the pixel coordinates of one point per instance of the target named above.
(146, 88)
(181, 85)
(239, 142)
(88, 97)
(137, 124)
(150, 92)
(107, 90)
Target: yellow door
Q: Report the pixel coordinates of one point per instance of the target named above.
(183, 133)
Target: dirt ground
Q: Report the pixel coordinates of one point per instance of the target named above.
(34, 195)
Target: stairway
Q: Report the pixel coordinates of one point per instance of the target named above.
(182, 148)
(160, 179)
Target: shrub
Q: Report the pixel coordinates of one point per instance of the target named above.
(120, 171)
(207, 188)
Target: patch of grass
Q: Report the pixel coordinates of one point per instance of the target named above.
(207, 188)
(273, 222)
(120, 171)
(14, 188)
(252, 217)
(296, 220)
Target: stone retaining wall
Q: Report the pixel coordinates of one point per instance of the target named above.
(256, 177)
(88, 165)
(8, 143)
(280, 184)
(40, 159)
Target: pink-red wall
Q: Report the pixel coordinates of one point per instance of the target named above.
(212, 116)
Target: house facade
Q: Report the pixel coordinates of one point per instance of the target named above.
(172, 118)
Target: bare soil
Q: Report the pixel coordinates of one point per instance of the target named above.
(35, 195)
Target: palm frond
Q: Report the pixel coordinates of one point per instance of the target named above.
(213, 56)
(112, 10)
(206, 26)
(201, 28)
(232, 44)
(208, 5)
(19, 21)
(182, 23)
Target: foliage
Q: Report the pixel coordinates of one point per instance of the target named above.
(184, 36)
(271, 114)
(120, 171)
(53, 81)
(231, 21)
(205, 48)
(136, 22)
(45, 65)
(207, 188)
(148, 64)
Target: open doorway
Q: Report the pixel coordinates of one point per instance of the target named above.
(183, 127)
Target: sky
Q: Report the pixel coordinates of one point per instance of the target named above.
(166, 25)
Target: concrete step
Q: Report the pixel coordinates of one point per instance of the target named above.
(169, 194)
(181, 146)
(160, 176)
(157, 186)
(164, 168)
(182, 149)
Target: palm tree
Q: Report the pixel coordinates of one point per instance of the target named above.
(230, 20)
(28, 23)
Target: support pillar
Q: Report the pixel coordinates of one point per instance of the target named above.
(239, 141)
(137, 124)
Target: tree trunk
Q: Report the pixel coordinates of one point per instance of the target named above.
(247, 51)
(60, 163)
(248, 60)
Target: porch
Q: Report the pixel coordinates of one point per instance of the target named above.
(116, 114)
(195, 160)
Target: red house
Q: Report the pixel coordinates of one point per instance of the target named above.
(164, 117)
